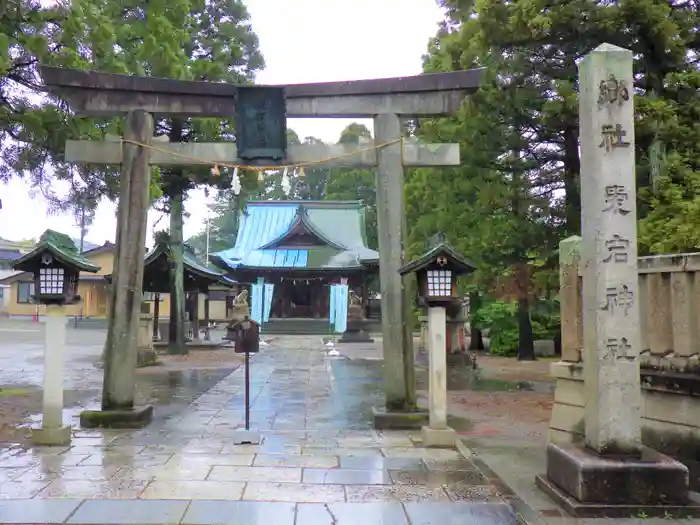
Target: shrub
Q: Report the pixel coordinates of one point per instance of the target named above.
(501, 320)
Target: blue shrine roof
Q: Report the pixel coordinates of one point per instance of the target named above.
(334, 236)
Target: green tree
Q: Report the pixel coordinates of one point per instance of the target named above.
(317, 183)
(518, 187)
(185, 40)
(673, 207)
(508, 219)
(35, 126)
(356, 184)
(223, 225)
(307, 184)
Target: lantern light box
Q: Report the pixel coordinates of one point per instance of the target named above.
(437, 271)
(56, 265)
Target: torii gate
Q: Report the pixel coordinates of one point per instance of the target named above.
(384, 100)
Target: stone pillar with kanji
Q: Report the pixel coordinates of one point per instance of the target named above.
(612, 473)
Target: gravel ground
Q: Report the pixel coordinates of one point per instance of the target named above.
(505, 407)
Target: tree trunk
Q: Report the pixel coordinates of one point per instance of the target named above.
(477, 338)
(526, 343)
(571, 175)
(176, 341)
(156, 317)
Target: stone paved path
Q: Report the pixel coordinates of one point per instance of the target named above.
(320, 462)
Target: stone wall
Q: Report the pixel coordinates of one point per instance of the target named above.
(669, 296)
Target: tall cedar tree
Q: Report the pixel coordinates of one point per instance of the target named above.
(35, 126)
(205, 40)
(318, 183)
(518, 187)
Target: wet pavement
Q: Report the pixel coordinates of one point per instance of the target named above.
(22, 369)
(320, 461)
(22, 356)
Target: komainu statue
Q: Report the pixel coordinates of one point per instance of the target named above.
(241, 310)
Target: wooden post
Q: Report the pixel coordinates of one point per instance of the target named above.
(207, 320)
(365, 295)
(125, 300)
(195, 316)
(156, 316)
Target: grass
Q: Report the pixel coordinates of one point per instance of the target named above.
(14, 392)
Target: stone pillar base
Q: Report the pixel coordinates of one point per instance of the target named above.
(356, 332)
(51, 436)
(464, 359)
(385, 420)
(587, 485)
(443, 437)
(246, 437)
(138, 417)
(355, 336)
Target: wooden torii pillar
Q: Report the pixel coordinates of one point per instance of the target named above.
(387, 101)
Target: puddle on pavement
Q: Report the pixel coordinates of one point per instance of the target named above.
(174, 390)
(360, 383)
(357, 387)
(170, 392)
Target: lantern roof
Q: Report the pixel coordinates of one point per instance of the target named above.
(440, 250)
(61, 247)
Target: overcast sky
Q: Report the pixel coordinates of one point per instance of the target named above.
(302, 41)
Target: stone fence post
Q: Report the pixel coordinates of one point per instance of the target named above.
(669, 302)
(570, 298)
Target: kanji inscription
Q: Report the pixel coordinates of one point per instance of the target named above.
(618, 299)
(617, 249)
(615, 197)
(613, 137)
(619, 348)
(612, 91)
(259, 115)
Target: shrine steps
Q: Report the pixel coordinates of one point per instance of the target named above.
(303, 326)
(297, 326)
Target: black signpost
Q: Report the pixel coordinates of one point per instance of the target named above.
(246, 339)
(247, 391)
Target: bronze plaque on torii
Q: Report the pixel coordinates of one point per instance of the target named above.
(261, 124)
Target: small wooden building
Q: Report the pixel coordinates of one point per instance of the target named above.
(207, 287)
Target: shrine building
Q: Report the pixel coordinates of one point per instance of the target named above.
(302, 247)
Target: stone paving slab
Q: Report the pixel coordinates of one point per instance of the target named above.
(221, 512)
(319, 462)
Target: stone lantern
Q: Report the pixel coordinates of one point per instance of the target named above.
(56, 265)
(436, 273)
